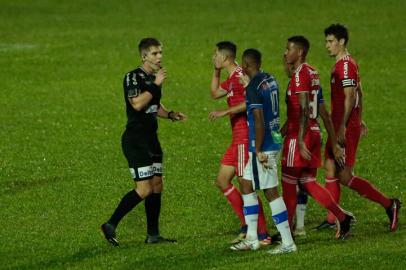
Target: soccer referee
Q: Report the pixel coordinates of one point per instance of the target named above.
(141, 147)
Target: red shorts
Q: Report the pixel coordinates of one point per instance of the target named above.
(236, 155)
(352, 136)
(291, 155)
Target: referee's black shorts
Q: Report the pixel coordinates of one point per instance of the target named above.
(143, 153)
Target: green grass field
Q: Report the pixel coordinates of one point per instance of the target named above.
(62, 172)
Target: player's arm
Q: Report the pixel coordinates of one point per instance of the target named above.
(259, 134)
(364, 127)
(303, 119)
(328, 124)
(216, 90)
(349, 102)
(174, 116)
(230, 111)
(140, 101)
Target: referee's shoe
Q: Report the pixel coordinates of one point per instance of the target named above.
(109, 232)
(154, 239)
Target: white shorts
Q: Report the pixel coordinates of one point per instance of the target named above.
(262, 178)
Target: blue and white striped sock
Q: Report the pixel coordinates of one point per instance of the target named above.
(251, 209)
(280, 218)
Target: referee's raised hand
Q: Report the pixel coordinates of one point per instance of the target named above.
(160, 76)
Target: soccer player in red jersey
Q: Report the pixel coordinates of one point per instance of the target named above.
(346, 109)
(236, 156)
(302, 145)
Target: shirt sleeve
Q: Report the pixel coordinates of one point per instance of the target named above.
(320, 97)
(130, 85)
(254, 97)
(302, 81)
(226, 85)
(347, 73)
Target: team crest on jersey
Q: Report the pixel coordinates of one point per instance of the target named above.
(230, 94)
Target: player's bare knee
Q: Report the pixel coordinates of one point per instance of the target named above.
(271, 194)
(143, 189)
(221, 183)
(246, 187)
(345, 176)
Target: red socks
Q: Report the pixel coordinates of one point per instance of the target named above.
(333, 186)
(367, 190)
(323, 197)
(289, 196)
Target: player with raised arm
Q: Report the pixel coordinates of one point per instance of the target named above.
(236, 156)
(346, 110)
(260, 173)
(141, 147)
(302, 145)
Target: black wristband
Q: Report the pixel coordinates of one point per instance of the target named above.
(154, 90)
(170, 117)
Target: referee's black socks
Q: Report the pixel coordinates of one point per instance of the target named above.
(127, 203)
(152, 211)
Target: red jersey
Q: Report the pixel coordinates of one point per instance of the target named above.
(304, 79)
(236, 95)
(344, 74)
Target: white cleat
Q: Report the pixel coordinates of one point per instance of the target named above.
(281, 249)
(245, 245)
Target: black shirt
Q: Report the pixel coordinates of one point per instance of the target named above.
(135, 82)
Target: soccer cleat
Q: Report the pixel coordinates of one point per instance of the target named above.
(393, 214)
(239, 238)
(299, 232)
(344, 227)
(155, 239)
(325, 225)
(281, 249)
(109, 232)
(245, 245)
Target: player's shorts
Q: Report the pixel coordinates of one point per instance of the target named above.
(143, 153)
(291, 155)
(298, 175)
(236, 155)
(352, 136)
(262, 178)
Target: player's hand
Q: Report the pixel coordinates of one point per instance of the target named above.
(160, 76)
(304, 152)
(341, 136)
(217, 114)
(178, 116)
(339, 156)
(364, 129)
(244, 80)
(263, 159)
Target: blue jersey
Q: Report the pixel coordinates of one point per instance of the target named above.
(263, 93)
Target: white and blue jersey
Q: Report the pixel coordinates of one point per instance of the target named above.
(263, 93)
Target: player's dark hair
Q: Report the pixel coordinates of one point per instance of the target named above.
(301, 42)
(145, 43)
(254, 55)
(339, 31)
(227, 46)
